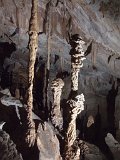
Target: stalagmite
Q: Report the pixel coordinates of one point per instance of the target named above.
(56, 116)
(74, 107)
(76, 102)
(17, 93)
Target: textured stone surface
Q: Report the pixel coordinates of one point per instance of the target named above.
(93, 153)
(56, 116)
(8, 149)
(12, 102)
(101, 67)
(48, 143)
(113, 145)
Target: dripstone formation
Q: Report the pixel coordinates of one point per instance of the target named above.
(77, 56)
(74, 108)
(56, 116)
(75, 104)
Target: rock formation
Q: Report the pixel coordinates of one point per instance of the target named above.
(33, 45)
(76, 103)
(56, 116)
(98, 24)
(9, 101)
(92, 152)
(2, 124)
(73, 108)
(77, 56)
(113, 145)
(8, 148)
(47, 143)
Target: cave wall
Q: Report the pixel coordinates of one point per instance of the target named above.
(101, 67)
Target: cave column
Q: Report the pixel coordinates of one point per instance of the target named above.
(75, 104)
(56, 116)
(30, 134)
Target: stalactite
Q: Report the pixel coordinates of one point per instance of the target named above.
(56, 116)
(62, 63)
(47, 67)
(75, 104)
(47, 10)
(48, 41)
(89, 48)
(93, 56)
(66, 23)
(33, 45)
(114, 65)
(18, 20)
(17, 14)
(77, 56)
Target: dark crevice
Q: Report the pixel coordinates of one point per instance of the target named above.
(6, 50)
(111, 109)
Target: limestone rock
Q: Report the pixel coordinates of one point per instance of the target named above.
(6, 92)
(93, 153)
(17, 93)
(90, 121)
(10, 101)
(48, 143)
(1, 125)
(113, 145)
(8, 149)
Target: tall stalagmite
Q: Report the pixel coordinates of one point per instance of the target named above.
(74, 107)
(56, 116)
(33, 45)
(75, 104)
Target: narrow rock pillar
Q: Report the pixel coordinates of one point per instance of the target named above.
(74, 107)
(75, 104)
(56, 116)
(30, 134)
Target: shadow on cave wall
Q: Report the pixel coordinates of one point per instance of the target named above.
(111, 109)
(6, 50)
